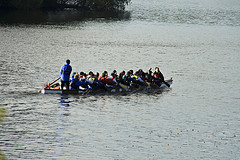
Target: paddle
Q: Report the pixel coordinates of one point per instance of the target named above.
(166, 83)
(54, 81)
(49, 84)
(86, 92)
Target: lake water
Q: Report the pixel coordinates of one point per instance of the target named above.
(195, 42)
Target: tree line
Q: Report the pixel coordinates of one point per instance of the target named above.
(61, 4)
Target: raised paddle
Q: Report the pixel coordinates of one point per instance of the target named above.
(54, 81)
(50, 84)
(166, 83)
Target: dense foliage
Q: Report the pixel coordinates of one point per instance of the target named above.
(86, 4)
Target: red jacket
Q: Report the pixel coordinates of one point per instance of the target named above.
(106, 81)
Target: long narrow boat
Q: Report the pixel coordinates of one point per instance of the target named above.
(109, 89)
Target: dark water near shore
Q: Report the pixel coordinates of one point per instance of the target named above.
(196, 43)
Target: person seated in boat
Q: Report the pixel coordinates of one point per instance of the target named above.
(65, 72)
(158, 76)
(141, 74)
(114, 77)
(127, 78)
(95, 82)
(97, 75)
(74, 73)
(120, 77)
(122, 73)
(76, 83)
(131, 71)
(81, 74)
(136, 78)
(83, 78)
(149, 77)
(106, 74)
(102, 77)
(106, 80)
(129, 81)
(115, 73)
(111, 76)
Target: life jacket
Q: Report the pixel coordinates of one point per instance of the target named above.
(106, 81)
(134, 76)
(100, 78)
(92, 79)
(82, 78)
(158, 75)
(109, 77)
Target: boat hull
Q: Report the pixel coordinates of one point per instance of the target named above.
(110, 89)
(59, 91)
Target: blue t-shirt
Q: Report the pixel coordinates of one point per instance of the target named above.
(65, 72)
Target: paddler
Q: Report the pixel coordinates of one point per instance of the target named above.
(95, 83)
(159, 78)
(136, 78)
(158, 74)
(75, 83)
(105, 80)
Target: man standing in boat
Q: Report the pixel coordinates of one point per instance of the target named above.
(65, 74)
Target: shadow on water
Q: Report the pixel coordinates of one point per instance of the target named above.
(57, 16)
(64, 100)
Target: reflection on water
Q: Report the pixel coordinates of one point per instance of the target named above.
(2, 156)
(206, 12)
(63, 111)
(52, 17)
(64, 104)
(63, 101)
(3, 114)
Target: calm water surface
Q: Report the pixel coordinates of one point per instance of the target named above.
(196, 43)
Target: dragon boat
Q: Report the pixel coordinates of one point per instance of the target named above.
(121, 88)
